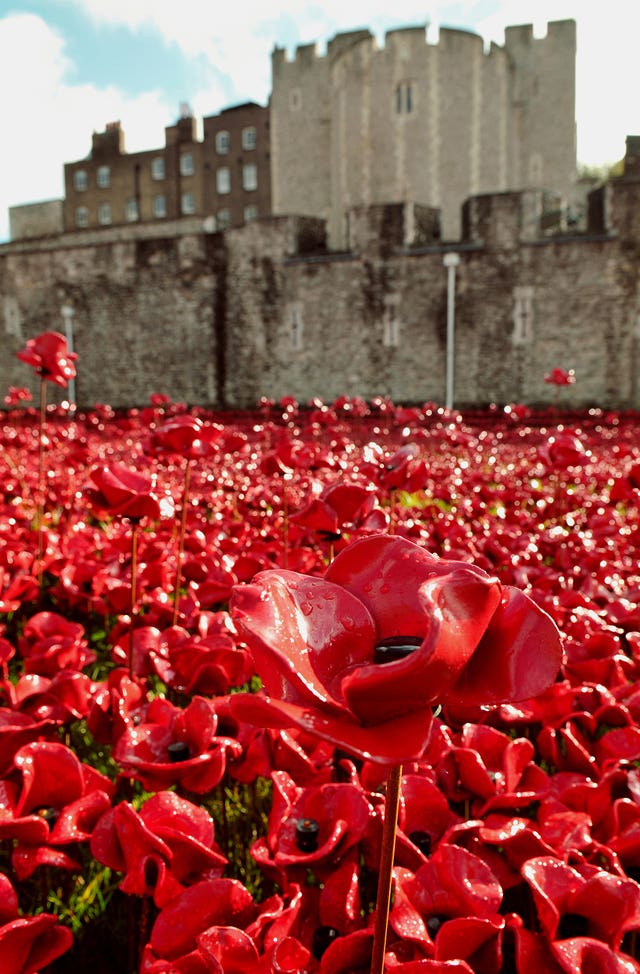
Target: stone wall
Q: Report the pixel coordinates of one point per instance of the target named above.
(143, 313)
(268, 310)
(35, 219)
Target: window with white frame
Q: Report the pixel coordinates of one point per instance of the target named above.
(249, 177)
(104, 214)
(103, 177)
(223, 180)
(157, 167)
(187, 167)
(249, 137)
(80, 180)
(296, 328)
(250, 213)
(223, 143)
(391, 329)
(159, 206)
(82, 216)
(522, 315)
(131, 212)
(188, 203)
(223, 219)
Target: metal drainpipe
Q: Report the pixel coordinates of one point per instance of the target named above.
(450, 261)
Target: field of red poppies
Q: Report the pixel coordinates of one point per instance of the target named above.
(222, 635)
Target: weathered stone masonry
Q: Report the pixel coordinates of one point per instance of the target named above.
(222, 319)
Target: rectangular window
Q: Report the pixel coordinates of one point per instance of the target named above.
(404, 98)
(223, 143)
(296, 328)
(103, 177)
(250, 213)
(80, 180)
(223, 180)
(159, 206)
(104, 214)
(223, 219)
(188, 203)
(82, 216)
(391, 330)
(250, 177)
(157, 167)
(249, 138)
(131, 211)
(522, 315)
(186, 164)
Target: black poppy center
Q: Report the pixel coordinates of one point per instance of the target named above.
(49, 814)
(434, 923)
(572, 925)
(422, 840)
(178, 751)
(307, 831)
(394, 648)
(323, 938)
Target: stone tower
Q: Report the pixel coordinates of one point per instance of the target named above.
(415, 121)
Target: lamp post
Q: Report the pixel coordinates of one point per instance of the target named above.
(67, 313)
(450, 261)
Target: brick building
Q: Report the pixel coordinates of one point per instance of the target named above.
(223, 178)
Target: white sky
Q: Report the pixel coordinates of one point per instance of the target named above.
(51, 103)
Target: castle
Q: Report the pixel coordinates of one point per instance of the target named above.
(355, 293)
(361, 125)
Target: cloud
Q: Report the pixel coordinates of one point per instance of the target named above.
(45, 115)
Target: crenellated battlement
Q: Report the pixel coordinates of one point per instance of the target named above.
(449, 38)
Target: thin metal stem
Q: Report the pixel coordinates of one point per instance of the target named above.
(134, 594)
(41, 487)
(183, 528)
(385, 876)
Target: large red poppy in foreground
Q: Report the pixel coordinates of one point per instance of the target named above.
(361, 656)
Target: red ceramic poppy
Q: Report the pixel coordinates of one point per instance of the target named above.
(176, 746)
(29, 944)
(17, 395)
(583, 955)
(449, 630)
(211, 902)
(605, 905)
(311, 828)
(49, 356)
(120, 491)
(168, 845)
(186, 436)
(51, 643)
(560, 377)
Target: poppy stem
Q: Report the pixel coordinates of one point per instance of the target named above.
(285, 523)
(183, 528)
(385, 876)
(40, 500)
(134, 594)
